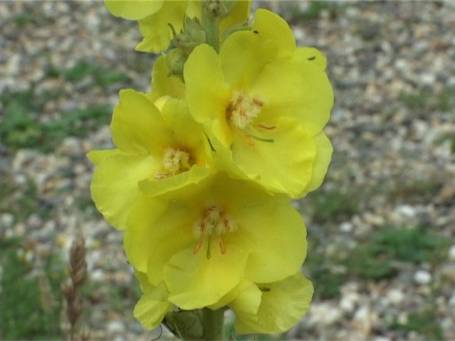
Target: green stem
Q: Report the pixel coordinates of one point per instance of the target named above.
(211, 30)
(213, 324)
(210, 22)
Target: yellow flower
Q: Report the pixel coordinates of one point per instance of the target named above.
(161, 151)
(204, 239)
(264, 102)
(153, 304)
(156, 16)
(271, 308)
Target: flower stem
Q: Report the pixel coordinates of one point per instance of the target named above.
(213, 324)
(210, 22)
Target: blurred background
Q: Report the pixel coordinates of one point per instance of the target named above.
(381, 228)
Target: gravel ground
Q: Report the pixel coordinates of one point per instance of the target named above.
(393, 129)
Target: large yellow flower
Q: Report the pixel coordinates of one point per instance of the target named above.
(157, 16)
(204, 239)
(162, 151)
(271, 308)
(264, 102)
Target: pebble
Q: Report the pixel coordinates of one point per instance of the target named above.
(395, 296)
(448, 272)
(452, 253)
(406, 211)
(324, 313)
(115, 326)
(422, 277)
(346, 227)
(6, 220)
(348, 301)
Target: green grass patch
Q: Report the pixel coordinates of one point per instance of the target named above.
(421, 100)
(424, 322)
(448, 137)
(24, 19)
(21, 128)
(99, 74)
(327, 283)
(315, 9)
(381, 255)
(333, 205)
(31, 301)
(20, 200)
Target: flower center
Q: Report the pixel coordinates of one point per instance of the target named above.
(174, 161)
(211, 226)
(242, 109)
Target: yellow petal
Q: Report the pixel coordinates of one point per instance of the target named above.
(245, 296)
(297, 89)
(164, 84)
(115, 182)
(242, 58)
(236, 17)
(155, 232)
(284, 164)
(152, 307)
(248, 299)
(283, 304)
(133, 9)
(137, 126)
(312, 58)
(317, 92)
(324, 151)
(194, 9)
(274, 31)
(156, 30)
(196, 281)
(153, 188)
(206, 91)
(190, 134)
(275, 235)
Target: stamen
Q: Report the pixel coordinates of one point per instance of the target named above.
(175, 161)
(242, 109)
(198, 245)
(264, 126)
(213, 224)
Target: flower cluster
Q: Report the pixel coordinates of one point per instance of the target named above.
(205, 165)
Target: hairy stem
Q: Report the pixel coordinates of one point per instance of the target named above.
(213, 324)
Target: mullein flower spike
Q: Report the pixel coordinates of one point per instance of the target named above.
(205, 166)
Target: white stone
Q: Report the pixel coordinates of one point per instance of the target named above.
(406, 210)
(422, 277)
(362, 314)
(428, 78)
(346, 226)
(452, 300)
(349, 301)
(6, 220)
(452, 253)
(97, 275)
(115, 327)
(324, 314)
(382, 338)
(395, 296)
